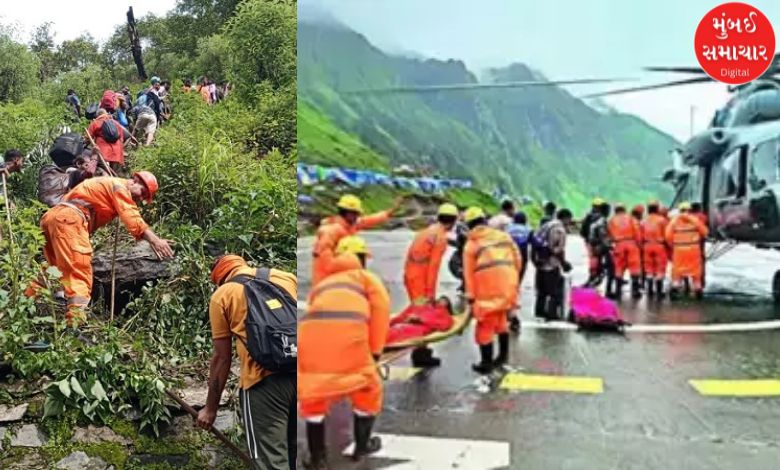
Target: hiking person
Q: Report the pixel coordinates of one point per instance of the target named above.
(267, 398)
(145, 122)
(107, 134)
(549, 213)
(349, 221)
(491, 269)
(73, 102)
(342, 337)
(502, 220)
(84, 209)
(548, 252)
(55, 181)
(587, 221)
(187, 86)
(13, 162)
(127, 98)
(600, 247)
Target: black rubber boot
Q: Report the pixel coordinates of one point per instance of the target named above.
(315, 435)
(659, 289)
(514, 324)
(423, 357)
(650, 288)
(636, 292)
(611, 281)
(365, 443)
(618, 292)
(485, 365)
(503, 350)
(699, 294)
(674, 293)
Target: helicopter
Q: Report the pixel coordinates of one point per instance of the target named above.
(732, 168)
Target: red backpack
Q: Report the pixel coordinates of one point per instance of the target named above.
(108, 102)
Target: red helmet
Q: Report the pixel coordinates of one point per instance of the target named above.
(149, 181)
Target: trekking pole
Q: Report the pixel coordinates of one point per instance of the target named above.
(186, 407)
(7, 209)
(116, 230)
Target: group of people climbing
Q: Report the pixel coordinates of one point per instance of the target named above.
(644, 245)
(209, 90)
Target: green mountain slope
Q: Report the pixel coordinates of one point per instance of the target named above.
(541, 141)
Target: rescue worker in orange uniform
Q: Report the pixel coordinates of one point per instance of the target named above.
(113, 152)
(698, 212)
(421, 271)
(348, 222)
(654, 251)
(638, 213)
(341, 338)
(491, 270)
(625, 236)
(87, 207)
(684, 234)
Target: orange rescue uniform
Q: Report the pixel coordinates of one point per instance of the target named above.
(227, 314)
(685, 234)
(331, 231)
(624, 232)
(67, 226)
(346, 325)
(421, 271)
(654, 246)
(112, 152)
(491, 271)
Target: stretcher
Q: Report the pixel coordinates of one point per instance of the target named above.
(394, 351)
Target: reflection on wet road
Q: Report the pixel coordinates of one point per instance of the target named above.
(646, 416)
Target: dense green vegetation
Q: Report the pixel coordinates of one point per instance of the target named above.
(227, 183)
(541, 142)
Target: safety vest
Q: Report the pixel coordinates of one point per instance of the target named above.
(491, 270)
(654, 229)
(424, 243)
(686, 230)
(623, 227)
(347, 321)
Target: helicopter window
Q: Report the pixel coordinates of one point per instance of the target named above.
(764, 169)
(725, 179)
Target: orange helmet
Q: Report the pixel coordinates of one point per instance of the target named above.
(149, 181)
(223, 266)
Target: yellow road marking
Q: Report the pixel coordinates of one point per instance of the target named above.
(551, 383)
(402, 374)
(737, 388)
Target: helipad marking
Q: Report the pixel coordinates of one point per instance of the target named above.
(402, 374)
(433, 453)
(737, 388)
(551, 383)
(650, 328)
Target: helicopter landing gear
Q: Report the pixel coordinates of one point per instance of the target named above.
(776, 287)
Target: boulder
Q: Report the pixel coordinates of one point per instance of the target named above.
(28, 436)
(10, 414)
(134, 263)
(81, 461)
(94, 435)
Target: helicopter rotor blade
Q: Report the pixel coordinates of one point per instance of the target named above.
(649, 87)
(696, 70)
(483, 86)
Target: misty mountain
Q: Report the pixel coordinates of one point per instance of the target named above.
(540, 141)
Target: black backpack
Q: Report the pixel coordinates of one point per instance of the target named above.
(91, 112)
(66, 148)
(271, 323)
(109, 131)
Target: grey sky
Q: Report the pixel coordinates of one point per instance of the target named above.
(561, 38)
(71, 18)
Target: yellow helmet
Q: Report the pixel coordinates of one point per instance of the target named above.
(654, 203)
(473, 213)
(684, 206)
(448, 209)
(350, 202)
(597, 201)
(352, 244)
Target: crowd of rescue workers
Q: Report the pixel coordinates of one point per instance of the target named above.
(347, 330)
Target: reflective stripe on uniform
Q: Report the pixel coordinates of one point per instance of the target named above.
(335, 315)
(494, 245)
(493, 264)
(339, 285)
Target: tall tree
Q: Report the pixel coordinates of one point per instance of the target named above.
(42, 44)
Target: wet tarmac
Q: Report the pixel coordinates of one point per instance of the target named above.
(647, 416)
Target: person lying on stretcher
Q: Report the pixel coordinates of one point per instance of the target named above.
(417, 321)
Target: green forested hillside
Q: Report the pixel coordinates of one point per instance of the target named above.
(541, 141)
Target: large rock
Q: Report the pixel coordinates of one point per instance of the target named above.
(95, 435)
(135, 263)
(213, 455)
(81, 461)
(9, 414)
(28, 436)
(225, 421)
(30, 461)
(196, 395)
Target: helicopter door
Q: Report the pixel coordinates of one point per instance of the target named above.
(763, 187)
(728, 194)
